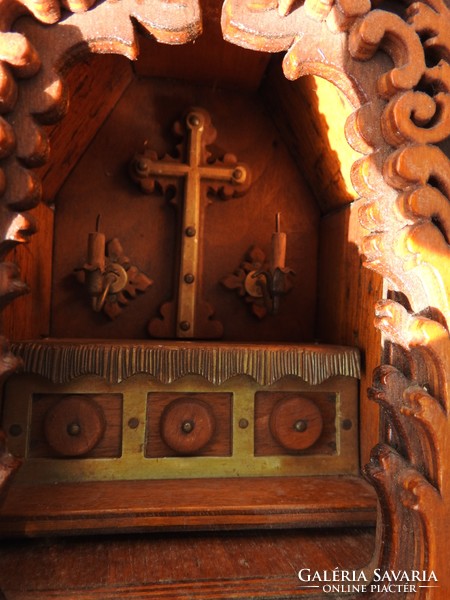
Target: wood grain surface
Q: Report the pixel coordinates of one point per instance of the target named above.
(257, 565)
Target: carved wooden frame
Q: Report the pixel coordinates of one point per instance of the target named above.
(400, 124)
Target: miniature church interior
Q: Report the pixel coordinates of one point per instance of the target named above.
(192, 408)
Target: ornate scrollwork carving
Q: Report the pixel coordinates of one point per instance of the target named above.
(8, 464)
(431, 20)
(406, 117)
(388, 32)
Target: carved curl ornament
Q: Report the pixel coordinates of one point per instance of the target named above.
(400, 124)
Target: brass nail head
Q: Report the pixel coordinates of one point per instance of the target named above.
(300, 425)
(187, 426)
(73, 429)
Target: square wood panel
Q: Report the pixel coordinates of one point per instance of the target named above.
(110, 446)
(220, 407)
(265, 442)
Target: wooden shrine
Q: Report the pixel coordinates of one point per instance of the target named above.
(225, 243)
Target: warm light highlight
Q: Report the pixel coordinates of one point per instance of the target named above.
(335, 108)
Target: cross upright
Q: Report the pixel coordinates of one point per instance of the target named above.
(188, 315)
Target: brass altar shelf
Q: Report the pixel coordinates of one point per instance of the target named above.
(234, 435)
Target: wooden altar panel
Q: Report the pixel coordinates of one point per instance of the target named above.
(146, 224)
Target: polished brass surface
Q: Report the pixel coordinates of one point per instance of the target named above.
(135, 371)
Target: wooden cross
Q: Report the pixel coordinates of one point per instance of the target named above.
(189, 316)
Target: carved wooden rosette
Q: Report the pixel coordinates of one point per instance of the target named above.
(401, 100)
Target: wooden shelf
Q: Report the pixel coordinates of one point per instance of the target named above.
(205, 566)
(202, 504)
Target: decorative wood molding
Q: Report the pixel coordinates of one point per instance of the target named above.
(62, 361)
(8, 465)
(401, 109)
(9, 363)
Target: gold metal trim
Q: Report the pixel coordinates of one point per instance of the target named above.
(134, 465)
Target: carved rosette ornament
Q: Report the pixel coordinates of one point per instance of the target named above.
(400, 122)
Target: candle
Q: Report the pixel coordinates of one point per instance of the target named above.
(96, 250)
(278, 256)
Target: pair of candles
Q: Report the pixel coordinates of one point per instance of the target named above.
(97, 245)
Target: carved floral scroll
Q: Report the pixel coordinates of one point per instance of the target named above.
(393, 66)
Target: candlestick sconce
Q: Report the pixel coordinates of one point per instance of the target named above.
(109, 277)
(261, 282)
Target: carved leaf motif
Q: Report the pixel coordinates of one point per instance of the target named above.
(432, 21)
(115, 252)
(426, 202)
(418, 117)
(405, 118)
(19, 53)
(418, 164)
(11, 286)
(386, 31)
(257, 257)
(235, 281)
(112, 308)
(8, 465)
(408, 330)
(259, 310)
(137, 281)
(411, 410)
(256, 260)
